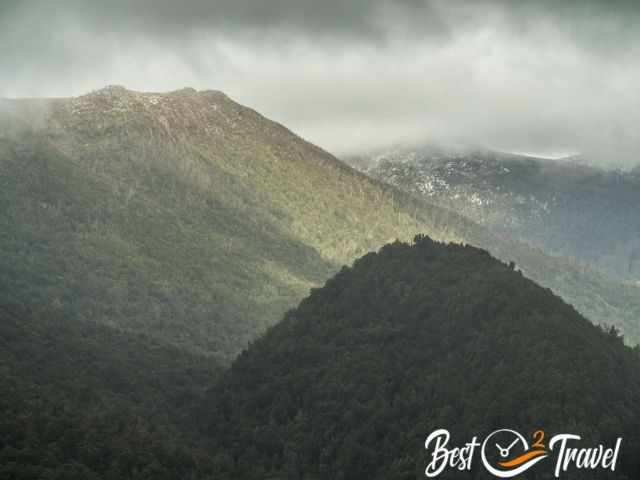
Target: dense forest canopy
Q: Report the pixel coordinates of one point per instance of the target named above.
(411, 339)
(80, 401)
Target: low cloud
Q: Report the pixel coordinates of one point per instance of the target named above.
(544, 76)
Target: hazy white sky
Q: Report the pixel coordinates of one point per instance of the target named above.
(545, 76)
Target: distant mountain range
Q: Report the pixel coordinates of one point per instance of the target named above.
(190, 218)
(147, 238)
(562, 206)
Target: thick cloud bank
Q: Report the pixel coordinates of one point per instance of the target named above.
(544, 76)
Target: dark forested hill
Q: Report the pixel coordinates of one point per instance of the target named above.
(198, 222)
(410, 340)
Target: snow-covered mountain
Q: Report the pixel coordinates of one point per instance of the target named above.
(562, 206)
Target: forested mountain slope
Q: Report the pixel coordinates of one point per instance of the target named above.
(197, 221)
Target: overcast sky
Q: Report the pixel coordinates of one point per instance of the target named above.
(545, 76)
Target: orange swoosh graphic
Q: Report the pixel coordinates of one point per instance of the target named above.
(522, 458)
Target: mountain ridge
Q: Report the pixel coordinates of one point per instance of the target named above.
(195, 219)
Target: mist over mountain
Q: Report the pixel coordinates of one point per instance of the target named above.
(199, 222)
(563, 206)
(532, 75)
(247, 283)
(412, 339)
(183, 215)
(147, 238)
